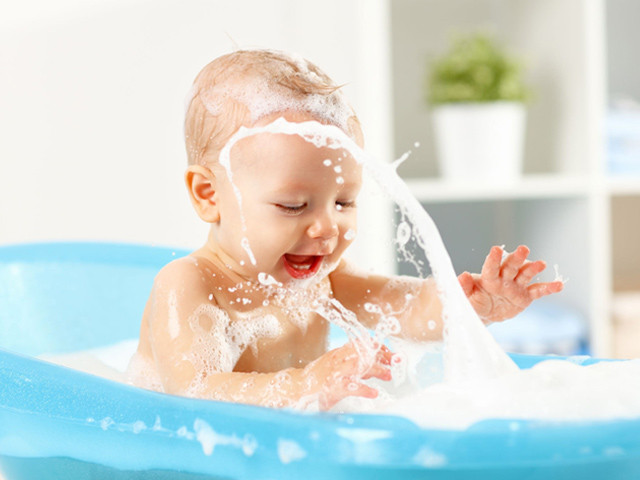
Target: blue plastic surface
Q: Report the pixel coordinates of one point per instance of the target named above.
(57, 423)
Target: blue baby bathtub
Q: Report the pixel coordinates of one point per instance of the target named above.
(61, 424)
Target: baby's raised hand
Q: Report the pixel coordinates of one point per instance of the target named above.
(503, 289)
(339, 373)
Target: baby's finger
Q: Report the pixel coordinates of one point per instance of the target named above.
(356, 389)
(467, 283)
(378, 371)
(384, 355)
(491, 266)
(538, 290)
(530, 270)
(514, 261)
(347, 388)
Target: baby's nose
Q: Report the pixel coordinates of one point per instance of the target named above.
(323, 226)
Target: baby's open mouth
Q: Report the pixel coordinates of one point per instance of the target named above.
(302, 266)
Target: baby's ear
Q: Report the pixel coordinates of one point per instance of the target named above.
(201, 184)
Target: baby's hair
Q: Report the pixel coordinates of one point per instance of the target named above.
(244, 86)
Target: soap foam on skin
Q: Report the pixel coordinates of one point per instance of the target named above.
(220, 342)
(265, 96)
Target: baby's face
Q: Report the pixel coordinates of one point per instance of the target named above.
(298, 203)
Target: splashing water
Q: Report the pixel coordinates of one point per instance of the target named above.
(470, 350)
(472, 378)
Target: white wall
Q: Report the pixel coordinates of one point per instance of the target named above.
(92, 103)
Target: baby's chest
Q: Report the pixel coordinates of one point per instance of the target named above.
(283, 341)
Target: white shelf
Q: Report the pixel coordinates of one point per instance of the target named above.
(529, 187)
(629, 185)
(431, 190)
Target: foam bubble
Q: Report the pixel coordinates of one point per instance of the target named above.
(263, 97)
(209, 439)
(247, 248)
(290, 451)
(138, 426)
(559, 277)
(403, 233)
(266, 279)
(106, 422)
(219, 342)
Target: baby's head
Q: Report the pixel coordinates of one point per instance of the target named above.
(246, 86)
(290, 209)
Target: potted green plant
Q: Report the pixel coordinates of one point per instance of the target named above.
(477, 94)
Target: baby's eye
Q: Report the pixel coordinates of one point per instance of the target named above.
(341, 205)
(291, 209)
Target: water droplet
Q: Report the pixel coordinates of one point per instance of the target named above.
(372, 308)
(350, 234)
(327, 163)
(337, 169)
(339, 180)
(403, 234)
(266, 279)
(245, 245)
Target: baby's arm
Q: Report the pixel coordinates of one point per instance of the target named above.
(413, 301)
(501, 291)
(330, 378)
(182, 315)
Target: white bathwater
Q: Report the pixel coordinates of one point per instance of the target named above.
(468, 377)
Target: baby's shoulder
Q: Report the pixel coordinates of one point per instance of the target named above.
(185, 273)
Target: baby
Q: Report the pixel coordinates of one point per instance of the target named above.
(245, 317)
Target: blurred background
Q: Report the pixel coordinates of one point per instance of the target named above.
(92, 101)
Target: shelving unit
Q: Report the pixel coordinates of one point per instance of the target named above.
(533, 186)
(565, 207)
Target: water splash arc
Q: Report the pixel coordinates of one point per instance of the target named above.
(470, 350)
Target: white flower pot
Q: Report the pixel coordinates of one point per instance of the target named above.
(480, 140)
